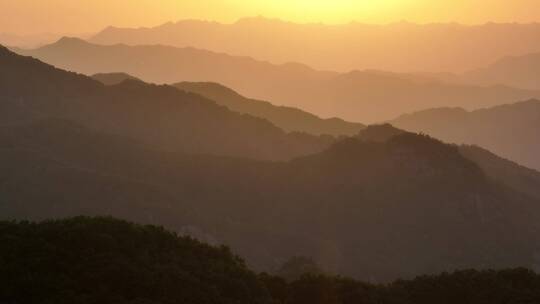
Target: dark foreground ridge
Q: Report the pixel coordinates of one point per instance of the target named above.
(104, 260)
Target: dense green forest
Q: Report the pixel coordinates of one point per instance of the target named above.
(104, 260)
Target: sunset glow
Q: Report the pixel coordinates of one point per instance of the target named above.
(26, 16)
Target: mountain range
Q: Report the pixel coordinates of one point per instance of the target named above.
(162, 116)
(358, 96)
(381, 205)
(286, 118)
(402, 46)
(508, 130)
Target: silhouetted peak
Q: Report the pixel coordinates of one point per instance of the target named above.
(379, 133)
(131, 83)
(210, 87)
(113, 78)
(70, 42)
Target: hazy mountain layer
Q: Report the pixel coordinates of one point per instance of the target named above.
(287, 118)
(510, 131)
(363, 96)
(517, 71)
(396, 47)
(162, 116)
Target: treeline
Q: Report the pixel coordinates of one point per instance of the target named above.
(103, 260)
(512, 286)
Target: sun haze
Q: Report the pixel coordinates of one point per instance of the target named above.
(27, 16)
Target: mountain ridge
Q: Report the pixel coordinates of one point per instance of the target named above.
(493, 128)
(365, 96)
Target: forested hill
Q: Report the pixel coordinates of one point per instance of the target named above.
(104, 260)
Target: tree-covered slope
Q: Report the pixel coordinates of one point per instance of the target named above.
(103, 260)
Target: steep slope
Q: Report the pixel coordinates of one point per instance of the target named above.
(430, 47)
(287, 118)
(365, 96)
(517, 71)
(509, 131)
(102, 260)
(361, 208)
(161, 116)
(504, 171)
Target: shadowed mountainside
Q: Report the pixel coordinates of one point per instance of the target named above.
(287, 118)
(365, 96)
(510, 131)
(161, 116)
(430, 47)
(348, 207)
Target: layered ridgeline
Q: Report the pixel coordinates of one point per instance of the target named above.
(103, 260)
(286, 118)
(161, 116)
(517, 71)
(374, 208)
(510, 131)
(430, 47)
(358, 96)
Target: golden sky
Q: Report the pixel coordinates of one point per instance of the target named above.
(80, 16)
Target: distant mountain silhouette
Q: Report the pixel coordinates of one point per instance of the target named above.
(287, 118)
(360, 208)
(162, 116)
(510, 131)
(430, 47)
(517, 71)
(113, 78)
(363, 96)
